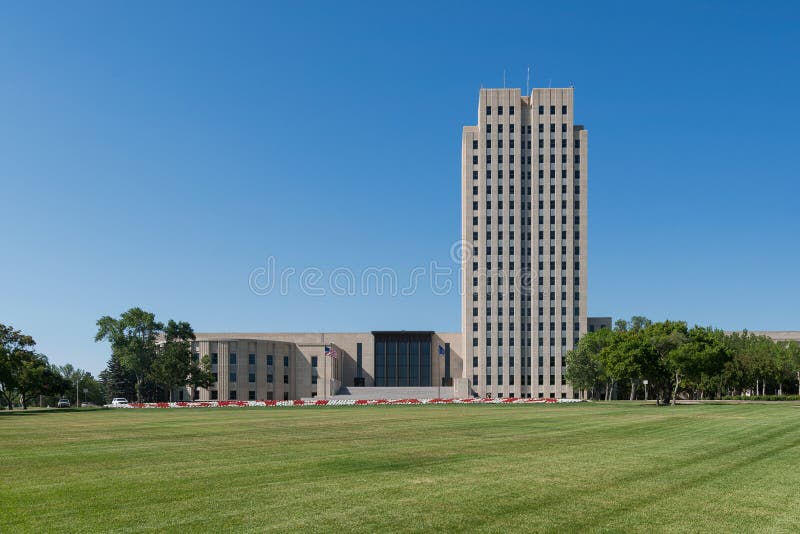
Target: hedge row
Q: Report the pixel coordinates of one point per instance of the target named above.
(763, 397)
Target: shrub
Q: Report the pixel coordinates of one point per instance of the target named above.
(763, 397)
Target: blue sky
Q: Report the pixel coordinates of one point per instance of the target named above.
(155, 154)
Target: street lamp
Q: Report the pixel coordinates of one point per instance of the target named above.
(645, 388)
(78, 377)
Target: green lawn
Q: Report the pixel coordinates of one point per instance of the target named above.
(589, 467)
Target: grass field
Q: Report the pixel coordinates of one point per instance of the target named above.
(588, 467)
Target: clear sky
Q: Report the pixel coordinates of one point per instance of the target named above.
(156, 154)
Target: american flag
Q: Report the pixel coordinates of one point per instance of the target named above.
(330, 351)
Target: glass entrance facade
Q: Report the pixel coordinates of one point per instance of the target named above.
(402, 358)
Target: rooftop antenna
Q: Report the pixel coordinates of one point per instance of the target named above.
(550, 83)
(528, 82)
(504, 78)
(571, 85)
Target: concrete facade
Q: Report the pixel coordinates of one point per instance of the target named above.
(279, 366)
(524, 230)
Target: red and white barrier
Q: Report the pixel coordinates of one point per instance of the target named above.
(344, 402)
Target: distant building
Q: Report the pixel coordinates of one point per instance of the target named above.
(599, 323)
(781, 335)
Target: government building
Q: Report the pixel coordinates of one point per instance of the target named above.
(523, 190)
(288, 366)
(524, 178)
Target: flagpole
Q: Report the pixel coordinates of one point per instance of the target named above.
(324, 388)
(439, 371)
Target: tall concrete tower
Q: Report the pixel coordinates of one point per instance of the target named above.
(524, 303)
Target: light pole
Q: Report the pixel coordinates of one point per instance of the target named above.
(77, 392)
(645, 389)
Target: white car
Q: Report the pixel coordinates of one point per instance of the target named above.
(119, 402)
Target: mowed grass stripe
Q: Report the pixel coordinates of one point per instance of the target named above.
(603, 467)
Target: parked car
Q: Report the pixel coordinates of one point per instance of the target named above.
(119, 402)
(63, 403)
(87, 405)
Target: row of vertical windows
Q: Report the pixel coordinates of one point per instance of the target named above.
(576, 248)
(511, 311)
(499, 110)
(552, 129)
(577, 174)
(526, 362)
(251, 359)
(511, 174)
(511, 341)
(500, 130)
(511, 110)
(251, 377)
(553, 110)
(525, 379)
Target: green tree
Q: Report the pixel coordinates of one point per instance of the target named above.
(200, 375)
(624, 354)
(173, 363)
(663, 338)
(629, 357)
(792, 355)
(16, 363)
(36, 377)
(756, 361)
(117, 381)
(700, 353)
(133, 337)
(598, 345)
(639, 323)
(584, 369)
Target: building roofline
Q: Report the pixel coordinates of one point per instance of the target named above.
(395, 332)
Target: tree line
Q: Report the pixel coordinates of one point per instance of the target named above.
(27, 377)
(673, 361)
(149, 359)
